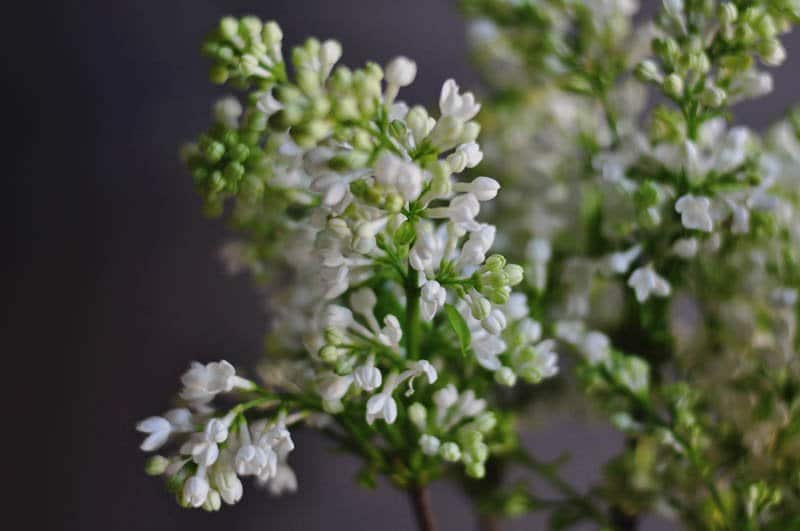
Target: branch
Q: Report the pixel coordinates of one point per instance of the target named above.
(421, 501)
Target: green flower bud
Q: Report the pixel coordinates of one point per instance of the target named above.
(346, 108)
(156, 465)
(495, 263)
(450, 452)
(727, 13)
(418, 122)
(418, 415)
(218, 74)
(476, 470)
(505, 376)
(229, 28)
(486, 422)
(330, 353)
(213, 151)
(405, 233)
(441, 184)
(334, 336)
(515, 274)
(772, 52)
(648, 71)
(713, 97)
(673, 85)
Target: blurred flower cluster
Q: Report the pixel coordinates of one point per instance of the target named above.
(395, 324)
(645, 235)
(661, 240)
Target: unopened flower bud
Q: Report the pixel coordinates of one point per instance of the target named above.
(450, 452)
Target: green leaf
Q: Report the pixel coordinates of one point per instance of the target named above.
(459, 326)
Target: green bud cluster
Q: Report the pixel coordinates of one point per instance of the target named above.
(495, 278)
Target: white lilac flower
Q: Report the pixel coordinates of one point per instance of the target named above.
(474, 250)
(620, 262)
(429, 444)
(283, 481)
(203, 446)
(367, 376)
(487, 349)
(596, 347)
(382, 406)
(463, 107)
(695, 212)
(462, 211)
(495, 322)
(403, 176)
(401, 71)
(686, 248)
(538, 253)
(223, 476)
(465, 156)
(201, 383)
(432, 297)
(646, 282)
(484, 188)
(195, 489)
(160, 428)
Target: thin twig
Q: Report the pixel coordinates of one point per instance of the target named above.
(421, 501)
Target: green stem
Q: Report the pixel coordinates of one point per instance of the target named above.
(413, 323)
(547, 473)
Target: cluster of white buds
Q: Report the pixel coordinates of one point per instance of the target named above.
(215, 450)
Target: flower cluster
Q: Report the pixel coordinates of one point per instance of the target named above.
(214, 451)
(660, 244)
(389, 302)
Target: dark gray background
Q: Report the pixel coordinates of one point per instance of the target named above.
(114, 283)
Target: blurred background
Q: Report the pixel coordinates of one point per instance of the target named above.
(115, 284)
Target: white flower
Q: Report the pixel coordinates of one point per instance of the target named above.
(685, 247)
(495, 322)
(620, 262)
(432, 298)
(404, 176)
(201, 383)
(333, 387)
(195, 490)
(474, 250)
(517, 307)
(284, 480)
(367, 376)
(462, 211)
(741, 217)
(252, 459)
(392, 332)
(469, 405)
(225, 480)
(695, 212)
(484, 188)
(596, 346)
(429, 444)
(330, 52)
(160, 428)
(451, 103)
(400, 71)
(529, 330)
(427, 253)
(445, 397)
(544, 363)
(363, 302)
(487, 349)
(227, 111)
(203, 446)
(646, 282)
(382, 406)
(424, 367)
(465, 156)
